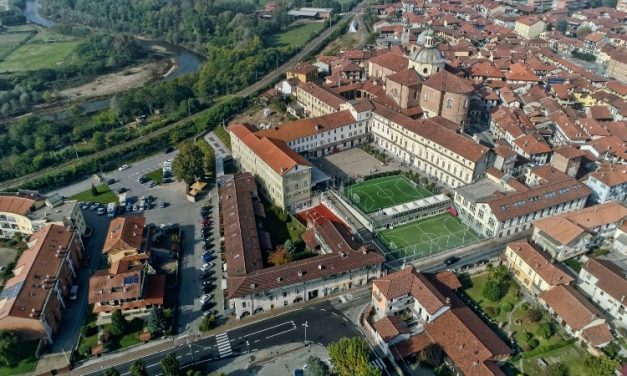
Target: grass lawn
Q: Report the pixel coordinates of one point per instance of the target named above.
(105, 195)
(427, 236)
(520, 315)
(280, 230)
(84, 348)
(37, 55)
(156, 175)
(372, 195)
(27, 364)
(9, 41)
(573, 264)
(296, 35)
(223, 135)
(473, 287)
(572, 356)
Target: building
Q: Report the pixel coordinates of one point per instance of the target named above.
(33, 300)
(429, 147)
(317, 101)
(306, 13)
(567, 159)
(251, 288)
(533, 268)
(617, 66)
(125, 287)
(438, 317)
(323, 135)
(26, 214)
(427, 59)
(304, 72)
(383, 65)
(529, 27)
(621, 5)
(574, 233)
(498, 205)
(404, 88)
(608, 183)
(444, 94)
(128, 238)
(284, 176)
(579, 317)
(604, 282)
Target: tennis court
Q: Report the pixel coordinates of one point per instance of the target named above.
(428, 236)
(372, 195)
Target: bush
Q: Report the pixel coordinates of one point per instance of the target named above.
(88, 330)
(506, 307)
(492, 311)
(492, 290)
(533, 344)
(545, 330)
(524, 307)
(526, 336)
(534, 314)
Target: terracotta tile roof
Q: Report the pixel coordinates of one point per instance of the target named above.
(568, 127)
(598, 335)
(414, 345)
(569, 152)
(301, 271)
(104, 286)
(617, 129)
(531, 145)
(329, 98)
(444, 81)
(408, 281)
(389, 327)
(521, 72)
(24, 292)
(395, 285)
(241, 239)
(407, 77)
(611, 278)
(559, 228)
(571, 306)
(125, 233)
(592, 127)
(449, 279)
(610, 175)
(551, 273)
(486, 69)
(302, 68)
(391, 61)
(598, 215)
(309, 126)
(618, 87)
(153, 294)
(274, 153)
(15, 205)
(600, 113)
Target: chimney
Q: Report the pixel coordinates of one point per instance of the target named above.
(320, 267)
(279, 279)
(300, 273)
(252, 285)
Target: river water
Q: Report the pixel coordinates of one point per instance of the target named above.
(186, 61)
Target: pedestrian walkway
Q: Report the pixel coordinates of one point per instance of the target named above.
(224, 345)
(377, 363)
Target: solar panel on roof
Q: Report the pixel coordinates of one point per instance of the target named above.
(131, 280)
(11, 292)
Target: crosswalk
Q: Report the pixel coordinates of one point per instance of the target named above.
(224, 345)
(377, 363)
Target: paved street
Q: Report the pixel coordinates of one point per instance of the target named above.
(325, 324)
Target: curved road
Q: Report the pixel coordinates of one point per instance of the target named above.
(249, 91)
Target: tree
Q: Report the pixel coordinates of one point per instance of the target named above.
(139, 368)
(316, 367)
(207, 323)
(279, 257)
(289, 246)
(94, 190)
(188, 165)
(98, 139)
(349, 357)
(156, 321)
(209, 161)
(118, 324)
(556, 369)
(545, 330)
(534, 314)
(9, 348)
(561, 26)
(492, 290)
(169, 365)
(111, 372)
(600, 366)
(432, 355)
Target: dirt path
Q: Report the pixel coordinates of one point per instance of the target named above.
(120, 81)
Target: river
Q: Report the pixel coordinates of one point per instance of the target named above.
(186, 61)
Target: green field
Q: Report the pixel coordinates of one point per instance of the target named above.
(10, 41)
(34, 56)
(375, 194)
(104, 196)
(296, 35)
(428, 236)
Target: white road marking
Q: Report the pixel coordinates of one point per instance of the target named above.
(283, 332)
(269, 328)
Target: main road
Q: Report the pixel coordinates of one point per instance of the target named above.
(247, 92)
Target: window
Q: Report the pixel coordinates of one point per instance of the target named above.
(449, 103)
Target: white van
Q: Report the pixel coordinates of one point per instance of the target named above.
(111, 209)
(73, 292)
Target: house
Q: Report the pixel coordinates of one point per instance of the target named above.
(567, 159)
(26, 214)
(386, 64)
(284, 175)
(620, 239)
(533, 268)
(529, 27)
(306, 13)
(128, 238)
(579, 317)
(438, 317)
(303, 71)
(316, 100)
(33, 300)
(446, 95)
(605, 283)
(502, 206)
(608, 183)
(617, 66)
(571, 234)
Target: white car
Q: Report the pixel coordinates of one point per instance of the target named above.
(101, 210)
(123, 167)
(206, 266)
(205, 298)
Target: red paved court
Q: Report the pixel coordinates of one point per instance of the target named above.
(317, 213)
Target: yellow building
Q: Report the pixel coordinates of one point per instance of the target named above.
(529, 27)
(317, 101)
(304, 72)
(126, 239)
(284, 176)
(533, 268)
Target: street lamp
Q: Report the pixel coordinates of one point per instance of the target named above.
(305, 325)
(248, 346)
(191, 353)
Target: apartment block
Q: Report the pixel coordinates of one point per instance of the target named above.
(605, 282)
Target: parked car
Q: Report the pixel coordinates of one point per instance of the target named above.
(168, 149)
(451, 260)
(122, 190)
(94, 206)
(205, 298)
(206, 266)
(142, 179)
(152, 184)
(123, 167)
(163, 204)
(208, 257)
(86, 205)
(101, 211)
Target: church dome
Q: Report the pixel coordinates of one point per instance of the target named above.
(428, 54)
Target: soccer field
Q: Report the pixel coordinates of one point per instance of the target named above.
(375, 194)
(428, 236)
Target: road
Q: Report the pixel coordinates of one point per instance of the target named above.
(325, 324)
(249, 91)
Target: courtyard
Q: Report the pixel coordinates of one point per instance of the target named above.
(352, 164)
(374, 194)
(427, 236)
